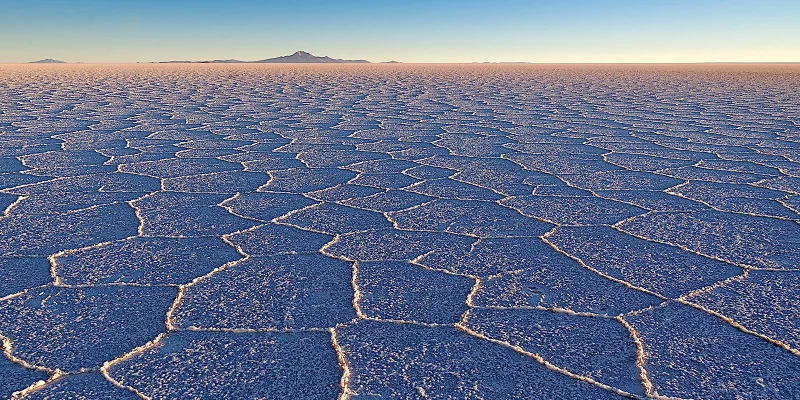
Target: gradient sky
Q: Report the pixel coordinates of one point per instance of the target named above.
(404, 30)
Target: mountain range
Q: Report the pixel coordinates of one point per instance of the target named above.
(303, 57)
(299, 57)
(47, 61)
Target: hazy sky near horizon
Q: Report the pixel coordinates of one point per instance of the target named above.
(403, 30)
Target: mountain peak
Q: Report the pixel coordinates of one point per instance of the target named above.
(298, 57)
(306, 57)
(47, 61)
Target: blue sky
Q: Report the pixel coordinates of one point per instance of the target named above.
(404, 30)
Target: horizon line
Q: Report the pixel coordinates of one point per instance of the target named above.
(223, 61)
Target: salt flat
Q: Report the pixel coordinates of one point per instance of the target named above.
(400, 231)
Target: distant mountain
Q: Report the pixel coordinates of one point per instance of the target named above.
(303, 57)
(296, 58)
(47, 61)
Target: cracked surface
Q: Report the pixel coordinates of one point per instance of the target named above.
(320, 232)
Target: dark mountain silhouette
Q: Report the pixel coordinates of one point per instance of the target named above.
(296, 58)
(304, 57)
(47, 61)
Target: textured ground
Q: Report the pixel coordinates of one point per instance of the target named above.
(182, 232)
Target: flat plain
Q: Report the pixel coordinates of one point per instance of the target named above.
(400, 231)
